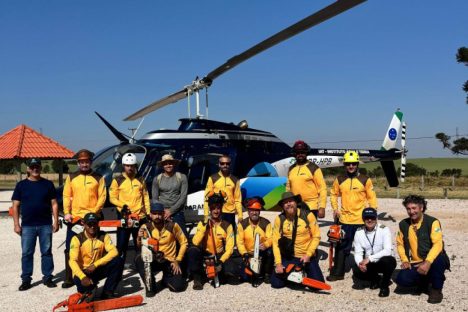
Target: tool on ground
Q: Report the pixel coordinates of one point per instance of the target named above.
(335, 236)
(295, 273)
(83, 302)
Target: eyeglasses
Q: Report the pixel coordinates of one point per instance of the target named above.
(225, 163)
(351, 164)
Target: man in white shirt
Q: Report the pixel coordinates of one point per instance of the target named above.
(373, 254)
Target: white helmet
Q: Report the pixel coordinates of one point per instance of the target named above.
(129, 159)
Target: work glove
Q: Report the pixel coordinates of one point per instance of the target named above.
(219, 267)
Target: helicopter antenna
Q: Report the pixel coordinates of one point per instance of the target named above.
(135, 130)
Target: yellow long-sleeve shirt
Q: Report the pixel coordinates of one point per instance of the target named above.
(83, 193)
(167, 238)
(307, 236)
(356, 194)
(223, 237)
(231, 186)
(130, 192)
(436, 239)
(307, 180)
(246, 232)
(85, 251)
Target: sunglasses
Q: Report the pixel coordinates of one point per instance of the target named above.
(370, 218)
(224, 163)
(350, 164)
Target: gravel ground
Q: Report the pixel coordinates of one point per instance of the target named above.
(452, 214)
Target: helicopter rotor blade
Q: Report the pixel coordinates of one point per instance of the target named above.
(318, 17)
(158, 104)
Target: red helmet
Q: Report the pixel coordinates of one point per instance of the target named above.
(300, 146)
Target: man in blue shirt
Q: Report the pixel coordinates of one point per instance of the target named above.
(35, 198)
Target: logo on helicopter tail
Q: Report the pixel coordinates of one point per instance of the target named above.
(392, 134)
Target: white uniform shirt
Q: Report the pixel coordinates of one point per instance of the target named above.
(373, 245)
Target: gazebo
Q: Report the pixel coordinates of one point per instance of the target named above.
(23, 142)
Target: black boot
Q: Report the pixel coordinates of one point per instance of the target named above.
(337, 272)
(268, 269)
(197, 282)
(68, 282)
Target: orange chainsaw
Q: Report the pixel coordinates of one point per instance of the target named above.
(83, 303)
(295, 273)
(335, 236)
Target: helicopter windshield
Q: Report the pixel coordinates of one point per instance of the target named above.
(108, 162)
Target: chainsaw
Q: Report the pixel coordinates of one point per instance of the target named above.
(335, 236)
(148, 246)
(254, 264)
(295, 273)
(212, 260)
(83, 303)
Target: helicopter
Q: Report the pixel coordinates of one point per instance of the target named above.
(259, 158)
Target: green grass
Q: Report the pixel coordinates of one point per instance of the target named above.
(431, 164)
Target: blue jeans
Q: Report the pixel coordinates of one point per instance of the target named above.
(179, 218)
(29, 235)
(435, 276)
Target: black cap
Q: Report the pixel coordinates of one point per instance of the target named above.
(369, 213)
(90, 218)
(34, 162)
(156, 207)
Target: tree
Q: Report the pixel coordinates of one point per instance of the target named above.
(462, 57)
(7, 166)
(460, 146)
(46, 169)
(413, 170)
(56, 166)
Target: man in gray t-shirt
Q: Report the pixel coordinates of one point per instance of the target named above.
(170, 189)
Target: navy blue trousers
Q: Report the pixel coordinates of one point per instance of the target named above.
(435, 276)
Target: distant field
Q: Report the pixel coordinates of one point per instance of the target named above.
(431, 164)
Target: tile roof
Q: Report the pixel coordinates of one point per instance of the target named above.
(24, 142)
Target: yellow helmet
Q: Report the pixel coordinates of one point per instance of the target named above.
(351, 157)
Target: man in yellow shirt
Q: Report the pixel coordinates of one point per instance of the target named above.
(129, 194)
(296, 236)
(214, 237)
(229, 184)
(93, 257)
(421, 250)
(306, 179)
(84, 191)
(167, 259)
(247, 229)
(357, 192)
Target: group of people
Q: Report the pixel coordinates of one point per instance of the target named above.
(228, 247)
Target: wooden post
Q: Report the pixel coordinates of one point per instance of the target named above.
(18, 170)
(60, 180)
(453, 182)
(446, 192)
(421, 187)
(398, 192)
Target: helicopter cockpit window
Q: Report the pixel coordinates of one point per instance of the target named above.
(109, 162)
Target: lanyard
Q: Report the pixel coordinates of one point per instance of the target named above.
(373, 240)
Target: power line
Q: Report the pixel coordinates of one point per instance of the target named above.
(380, 140)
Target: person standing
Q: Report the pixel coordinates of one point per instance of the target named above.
(421, 250)
(373, 254)
(84, 191)
(357, 192)
(129, 194)
(170, 189)
(35, 199)
(230, 185)
(306, 179)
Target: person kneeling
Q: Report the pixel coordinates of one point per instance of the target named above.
(373, 254)
(296, 236)
(213, 246)
(93, 257)
(164, 256)
(247, 231)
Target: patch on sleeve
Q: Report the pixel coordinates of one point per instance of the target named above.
(437, 230)
(231, 235)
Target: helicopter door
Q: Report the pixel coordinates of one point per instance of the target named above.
(201, 167)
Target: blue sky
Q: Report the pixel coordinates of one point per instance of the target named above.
(62, 60)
